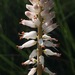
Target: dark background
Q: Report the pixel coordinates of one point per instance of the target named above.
(11, 12)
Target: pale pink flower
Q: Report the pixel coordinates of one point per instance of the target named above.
(32, 71)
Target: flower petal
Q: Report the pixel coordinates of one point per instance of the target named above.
(28, 23)
(33, 54)
(30, 15)
(41, 58)
(32, 71)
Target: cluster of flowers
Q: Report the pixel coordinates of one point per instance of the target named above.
(42, 8)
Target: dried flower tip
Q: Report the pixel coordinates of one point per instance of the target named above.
(32, 71)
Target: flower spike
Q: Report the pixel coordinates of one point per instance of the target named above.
(41, 19)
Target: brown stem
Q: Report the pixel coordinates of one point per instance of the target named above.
(39, 51)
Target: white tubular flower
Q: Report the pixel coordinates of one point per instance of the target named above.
(37, 8)
(51, 53)
(27, 44)
(50, 44)
(41, 58)
(46, 37)
(33, 54)
(29, 35)
(50, 28)
(28, 23)
(33, 1)
(32, 71)
(48, 71)
(30, 61)
(33, 8)
(30, 15)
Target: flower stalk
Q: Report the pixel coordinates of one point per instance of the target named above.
(39, 53)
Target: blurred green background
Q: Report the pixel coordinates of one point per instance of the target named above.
(11, 11)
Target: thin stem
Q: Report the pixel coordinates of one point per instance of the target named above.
(39, 52)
